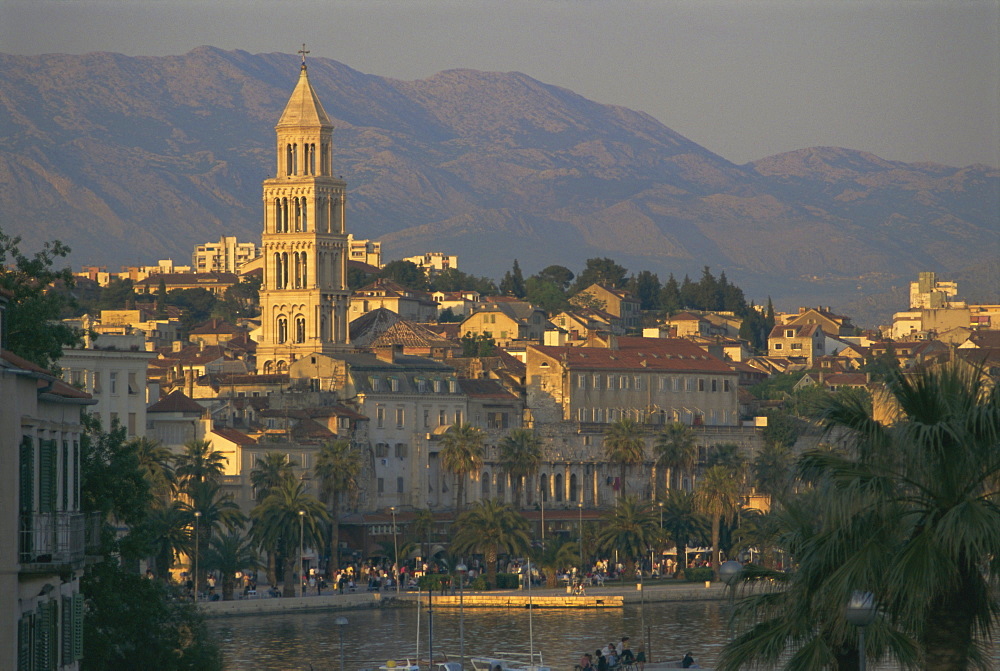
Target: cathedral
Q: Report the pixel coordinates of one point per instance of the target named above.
(304, 295)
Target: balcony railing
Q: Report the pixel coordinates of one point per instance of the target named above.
(52, 538)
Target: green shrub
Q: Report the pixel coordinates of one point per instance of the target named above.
(698, 574)
(508, 580)
(479, 584)
(432, 581)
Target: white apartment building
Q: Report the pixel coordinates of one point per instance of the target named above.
(433, 263)
(224, 256)
(365, 251)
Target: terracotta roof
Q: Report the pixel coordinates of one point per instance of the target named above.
(50, 383)
(369, 326)
(207, 279)
(485, 389)
(663, 354)
(801, 330)
(409, 334)
(846, 379)
(216, 326)
(235, 436)
(176, 401)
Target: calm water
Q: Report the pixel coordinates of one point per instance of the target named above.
(372, 636)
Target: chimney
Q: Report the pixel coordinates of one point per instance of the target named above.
(388, 353)
(189, 382)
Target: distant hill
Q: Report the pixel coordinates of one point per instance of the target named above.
(132, 159)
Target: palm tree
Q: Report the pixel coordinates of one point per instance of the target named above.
(169, 528)
(625, 446)
(555, 556)
(228, 553)
(217, 511)
(338, 466)
(676, 451)
(270, 471)
(199, 463)
(717, 497)
(631, 528)
(924, 463)
(520, 458)
(275, 525)
(490, 528)
(155, 462)
(461, 454)
(772, 471)
(422, 526)
(681, 522)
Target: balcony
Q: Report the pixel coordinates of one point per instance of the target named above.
(51, 541)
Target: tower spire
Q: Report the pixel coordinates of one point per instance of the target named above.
(303, 51)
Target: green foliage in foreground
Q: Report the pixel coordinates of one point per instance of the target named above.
(133, 623)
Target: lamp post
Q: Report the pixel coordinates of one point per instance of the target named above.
(861, 612)
(302, 516)
(341, 622)
(531, 629)
(197, 518)
(583, 567)
(395, 546)
(461, 568)
(662, 544)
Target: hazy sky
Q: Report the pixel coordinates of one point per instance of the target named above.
(904, 79)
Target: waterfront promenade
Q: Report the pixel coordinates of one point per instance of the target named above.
(611, 595)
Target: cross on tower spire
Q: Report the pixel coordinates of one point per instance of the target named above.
(303, 51)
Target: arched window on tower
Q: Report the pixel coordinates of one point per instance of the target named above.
(277, 215)
(295, 159)
(312, 159)
(300, 329)
(277, 271)
(305, 215)
(284, 215)
(268, 367)
(284, 270)
(559, 487)
(324, 159)
(289, 160)
(304, 280)
(298, 214)
(282, 330)
(280, 367)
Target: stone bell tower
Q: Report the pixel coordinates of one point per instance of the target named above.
(304, 296)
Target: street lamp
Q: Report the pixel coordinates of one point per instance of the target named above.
(861, 612)
(579, 508)
(395, 546)
(461, 568)
(302, 515)
(197, 517)
(662, 544)
(730, 572)
(341, 622)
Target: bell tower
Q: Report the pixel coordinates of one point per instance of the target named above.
(304, 295)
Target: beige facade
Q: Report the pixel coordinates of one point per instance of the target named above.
(365, 251)
(804, 341)
(507, 323)
(304, 295)
(43, 532)
(433, 263)
(617, 302)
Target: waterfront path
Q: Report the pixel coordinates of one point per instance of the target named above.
(654, 591)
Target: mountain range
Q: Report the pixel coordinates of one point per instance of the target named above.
(133, 159)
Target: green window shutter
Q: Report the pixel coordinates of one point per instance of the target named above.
(65, 475)
(24, 657)
(47, 477)
(76, 475)
(77, 627)
(27, 474)
(66, 644)
(44, 636)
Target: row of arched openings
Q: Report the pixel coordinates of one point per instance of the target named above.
(281, 329)
(291, 270)
(544, 481)
(309, 160)
(291, 215)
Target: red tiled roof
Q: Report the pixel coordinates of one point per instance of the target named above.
(176, 401)
(665, 354)
(54, 384)
(234, 436)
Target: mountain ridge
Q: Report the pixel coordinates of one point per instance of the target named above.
(129, 159)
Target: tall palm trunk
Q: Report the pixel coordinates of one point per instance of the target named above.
(334, 538)
(491, 565)
(716, 522)
(947, 636)
(272, 568)
(290, 586)
(459, 491)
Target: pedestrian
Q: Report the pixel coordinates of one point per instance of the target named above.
(640, 656)
(688, 661)
(602, 661)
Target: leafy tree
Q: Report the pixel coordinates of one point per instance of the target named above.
(242, 299)
(168, 530)
(135, 623)
(520, 458)
(357, 278)
(477, 345)
(560, 276)
(545, 294)
(489, 528)
(646, 288)
(631, 528)
(717, 497)
(782, 429)
(406, 273)
(338, 466)
(448, 316)
(601, 271)
(216, 510)
(275, 525)
(554, 556)
(772, 470)
(624, 445)
(670, 296)
(461, 454)
(156, 462)
(689, 294)
(120, 293)
(198, 305)
(512, 283)
(676, 450)
(268, 474)
(31, 328)
(453, 279)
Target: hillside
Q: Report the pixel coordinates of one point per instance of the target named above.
(131, 159)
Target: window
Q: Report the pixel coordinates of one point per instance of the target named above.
(380, 417)
(97, 382)
(638, 383)
(427, 418)
(381, 485)
(611, 382)
(581, 415)
(777, 345)
(113, 382)
(796, 345)
(394, 383)
(402, 449)
(399, 485)
(725, 385)
(133, 387)
(689, 384)
(497, 420)
(663, 384)
(400, 418)
(452, 386)
(442, 418)
(437, 386)
(789, 333)
(458, 417)
(131, 424)
(381, 450)
(581, 381)
(701, 384)
(597, 381)
(715, 385)
(675, 383)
